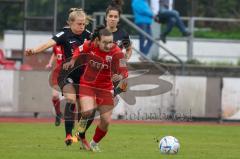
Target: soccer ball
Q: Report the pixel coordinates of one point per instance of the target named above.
(169, 145)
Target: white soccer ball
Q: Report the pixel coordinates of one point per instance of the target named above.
(169, 145)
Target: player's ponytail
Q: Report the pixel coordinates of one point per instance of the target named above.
(117, 3)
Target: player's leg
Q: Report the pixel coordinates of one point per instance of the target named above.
(81, 136)
(56, 105)
(102, 129)
(104, 100)
(87, 106)
(55, 95)
(83, 126)
(88, 124)
(70, 96)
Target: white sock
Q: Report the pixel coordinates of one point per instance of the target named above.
(93, 142)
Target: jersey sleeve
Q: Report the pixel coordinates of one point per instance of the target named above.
(57, 49)
(60, 38)
(119, 64)
(88, 36)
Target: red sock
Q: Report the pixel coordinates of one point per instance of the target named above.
(99, 134)
(56, 104)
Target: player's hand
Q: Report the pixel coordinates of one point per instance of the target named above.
(128, 53)
(116, 78)
(68, 65)
(48, 66)
(29, 52)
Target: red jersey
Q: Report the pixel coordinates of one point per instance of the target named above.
(58, 52)
(100, 65)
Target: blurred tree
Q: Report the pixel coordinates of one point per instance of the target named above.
(219, 8)
(11, 16)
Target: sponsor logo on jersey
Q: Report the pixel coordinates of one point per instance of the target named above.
(108, 58)
(71, 42)
(98, 65)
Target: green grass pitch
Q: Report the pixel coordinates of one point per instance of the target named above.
(130, 141)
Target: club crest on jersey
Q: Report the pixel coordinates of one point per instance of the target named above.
(108, 58)
(119, 42)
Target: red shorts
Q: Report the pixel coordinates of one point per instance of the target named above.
(54, 76)
(102, 96)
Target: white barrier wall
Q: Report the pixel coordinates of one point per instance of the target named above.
(8, 91)
(231, 98)
(206, 51)
(29, 91)
(187, 98)
(203, 50)
(13, 40)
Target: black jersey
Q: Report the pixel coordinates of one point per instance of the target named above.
(70, 41)
(121, 37)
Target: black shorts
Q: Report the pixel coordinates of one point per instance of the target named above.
(70, 77)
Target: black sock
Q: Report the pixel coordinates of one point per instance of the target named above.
(89, 122)
(69, 117)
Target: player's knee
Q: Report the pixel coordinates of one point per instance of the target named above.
(105, 122)
(69, 111)
(104, 126)
(55, 97)
(87, 114)
(71, 99)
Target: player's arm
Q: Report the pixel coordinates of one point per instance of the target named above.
(51, 61)
(40, 48)
(71, 63)
(119, 67)
(128, 52)
(127, 45)
(77, 56)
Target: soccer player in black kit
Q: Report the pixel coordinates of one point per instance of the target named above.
(69, 38)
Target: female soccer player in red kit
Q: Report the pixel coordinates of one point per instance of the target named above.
(105, 63)
(57, 58)
(122, 38)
